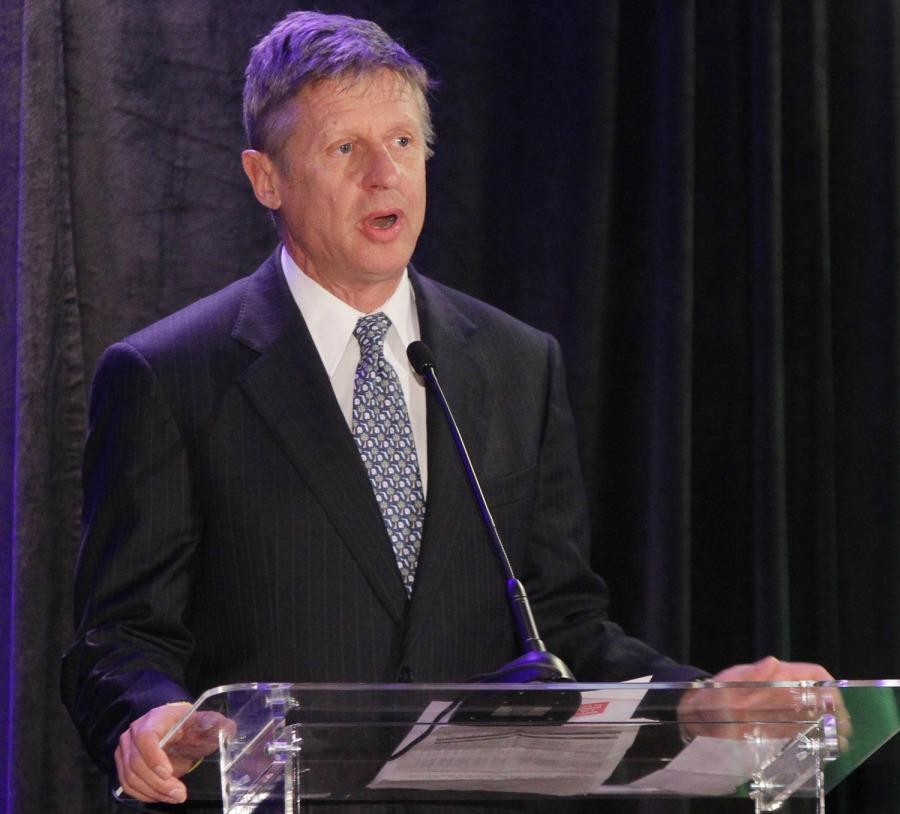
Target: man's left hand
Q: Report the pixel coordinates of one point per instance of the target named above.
(769, 712)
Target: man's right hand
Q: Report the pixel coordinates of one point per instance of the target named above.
(150, 774)
(145, 771)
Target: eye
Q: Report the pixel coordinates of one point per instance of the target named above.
(345, 149)
(403, 141)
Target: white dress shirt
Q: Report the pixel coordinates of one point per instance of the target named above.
(331, 322)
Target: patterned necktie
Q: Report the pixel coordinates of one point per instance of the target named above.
(384, 437)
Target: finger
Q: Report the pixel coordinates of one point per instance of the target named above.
(844, 722)
(761, 670)
(205, 726)
(147, 767)
(835, 704)
(152, 761)
(137, 790)
(137, 782)
(800, 671)
(200, 739)
(767, 669)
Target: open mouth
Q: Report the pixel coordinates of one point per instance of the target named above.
(383, 221)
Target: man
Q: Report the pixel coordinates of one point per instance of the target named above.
(251, 516)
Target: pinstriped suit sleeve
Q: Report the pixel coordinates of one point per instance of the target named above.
(140, 533)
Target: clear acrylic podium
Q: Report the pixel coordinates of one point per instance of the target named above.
(274, 747)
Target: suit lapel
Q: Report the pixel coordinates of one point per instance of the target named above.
(447, 332)
(290, 389)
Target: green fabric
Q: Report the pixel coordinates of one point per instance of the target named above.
(875, 718)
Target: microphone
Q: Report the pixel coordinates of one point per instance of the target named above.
(535, 663)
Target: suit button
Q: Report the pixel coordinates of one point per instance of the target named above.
(405, 675)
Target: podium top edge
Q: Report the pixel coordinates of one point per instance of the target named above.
(278, 687)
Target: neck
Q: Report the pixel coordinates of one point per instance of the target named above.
(366, 299)
(362, 295)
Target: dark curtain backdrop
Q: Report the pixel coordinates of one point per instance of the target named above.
(699, 199)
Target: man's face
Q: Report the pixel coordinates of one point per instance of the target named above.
(352, 181)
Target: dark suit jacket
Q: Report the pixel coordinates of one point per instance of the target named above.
(231, 533)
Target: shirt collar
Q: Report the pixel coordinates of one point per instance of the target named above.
(331, 321)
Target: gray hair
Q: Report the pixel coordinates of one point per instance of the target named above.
(307, 46)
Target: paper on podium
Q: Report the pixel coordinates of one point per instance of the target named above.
(711, 766)
(573, 757)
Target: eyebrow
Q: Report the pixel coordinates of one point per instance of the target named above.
(327, 134)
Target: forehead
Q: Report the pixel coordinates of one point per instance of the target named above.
(381, 94)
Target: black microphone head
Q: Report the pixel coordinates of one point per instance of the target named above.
(420, 357)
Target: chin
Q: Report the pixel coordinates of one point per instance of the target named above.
(387, 268)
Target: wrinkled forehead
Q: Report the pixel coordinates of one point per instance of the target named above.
(321, 100)
(352, 86)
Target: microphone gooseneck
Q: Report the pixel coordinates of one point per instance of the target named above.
(536, 663)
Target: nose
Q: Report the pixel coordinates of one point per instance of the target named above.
(381, 172)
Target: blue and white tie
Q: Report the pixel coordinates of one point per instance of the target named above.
(383, 435)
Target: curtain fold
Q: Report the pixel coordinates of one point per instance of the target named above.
(668, 512)
(699, 199)
(10, 62)
(809, 358)
(766, 331)
(49, 422)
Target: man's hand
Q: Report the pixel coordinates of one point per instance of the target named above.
(150, 774)
(731, 713)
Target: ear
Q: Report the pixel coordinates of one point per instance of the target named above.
(263, 175)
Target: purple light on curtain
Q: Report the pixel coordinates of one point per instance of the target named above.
(10, 178)
(8, 368)
(8, 645)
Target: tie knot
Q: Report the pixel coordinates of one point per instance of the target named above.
(370, 331)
